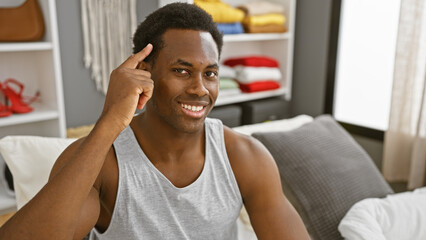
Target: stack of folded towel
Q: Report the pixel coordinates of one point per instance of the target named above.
(228, 18)
(227, 84)
(263, 17)
(256, 73)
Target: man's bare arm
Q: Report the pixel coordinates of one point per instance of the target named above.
(271, 214)
(55, 212)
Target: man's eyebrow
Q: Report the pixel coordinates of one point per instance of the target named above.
(214, 65)
(188, 64)
(183, 62)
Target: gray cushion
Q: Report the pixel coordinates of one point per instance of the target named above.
(324, 172)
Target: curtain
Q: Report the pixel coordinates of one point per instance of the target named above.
(405, 140)
(108, 27)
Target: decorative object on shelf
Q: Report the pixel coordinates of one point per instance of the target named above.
(107, 32)
(17, 102)
(22, 23)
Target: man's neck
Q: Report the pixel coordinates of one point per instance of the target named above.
(156, 136)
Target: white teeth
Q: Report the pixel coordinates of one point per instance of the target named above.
(192, 108)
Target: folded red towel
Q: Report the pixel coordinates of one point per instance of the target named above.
(252, 61)
(259, 86)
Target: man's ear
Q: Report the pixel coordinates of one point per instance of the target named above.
(144, 66)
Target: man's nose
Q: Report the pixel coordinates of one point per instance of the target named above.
(197, 86)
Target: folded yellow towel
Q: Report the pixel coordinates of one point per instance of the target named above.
(261, 7)
(270, 28)
(220, 11)
(265, 19)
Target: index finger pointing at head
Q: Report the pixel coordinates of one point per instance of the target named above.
(135, 59)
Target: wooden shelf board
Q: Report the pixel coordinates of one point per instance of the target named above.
(255, 37)
(244, 97)
(38, 114)
(28, 46)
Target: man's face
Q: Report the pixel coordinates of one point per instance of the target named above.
(186, 81)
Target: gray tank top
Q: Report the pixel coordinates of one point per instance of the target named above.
(149, 206)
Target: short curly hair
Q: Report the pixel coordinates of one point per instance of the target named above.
(173, 16)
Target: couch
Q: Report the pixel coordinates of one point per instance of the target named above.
(326, 175)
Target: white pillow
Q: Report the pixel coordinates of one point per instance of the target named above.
(30, 160)
(397, 217)
(274, 126)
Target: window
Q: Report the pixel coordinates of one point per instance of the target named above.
(364, 62)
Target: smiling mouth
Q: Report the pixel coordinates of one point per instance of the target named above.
(192, 108)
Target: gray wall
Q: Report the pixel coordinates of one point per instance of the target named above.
(83, 104)
(310, 56)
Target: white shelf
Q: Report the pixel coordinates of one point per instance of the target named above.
(244, 97)
(33, 46)
(245, 37)
(40, 113)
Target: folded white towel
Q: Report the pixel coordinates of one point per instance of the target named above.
(399, 216)
(255, 74)
(227, 72)
(262, 7)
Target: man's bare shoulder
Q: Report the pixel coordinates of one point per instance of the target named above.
(248, 157)
(242, 147)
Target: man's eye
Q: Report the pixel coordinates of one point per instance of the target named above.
(180, 71)
(211, 74)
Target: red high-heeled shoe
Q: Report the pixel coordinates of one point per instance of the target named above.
(16, 100)
(4, 109)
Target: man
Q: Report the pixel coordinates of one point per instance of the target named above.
(168, 173)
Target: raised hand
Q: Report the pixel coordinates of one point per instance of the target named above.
(129, 88)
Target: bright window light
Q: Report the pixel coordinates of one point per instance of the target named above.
(365, 62)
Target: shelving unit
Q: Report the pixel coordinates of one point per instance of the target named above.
(244, 97)
(277, 45)
(37, 65)
(20, 47)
